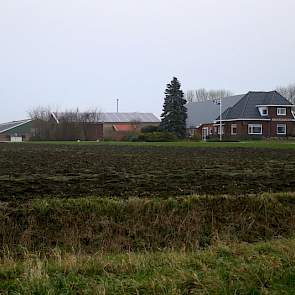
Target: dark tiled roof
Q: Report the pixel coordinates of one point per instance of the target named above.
(246, 107)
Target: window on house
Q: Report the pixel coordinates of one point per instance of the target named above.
(281, 111)
(281, 129)
(233, 129)
(254, 129)
(264, 112)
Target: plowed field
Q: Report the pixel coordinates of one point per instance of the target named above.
(37, 170)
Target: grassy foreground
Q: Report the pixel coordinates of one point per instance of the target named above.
(263, 268)
(185, 245)
(114, 225)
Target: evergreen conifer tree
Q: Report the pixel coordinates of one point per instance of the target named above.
(173, 118)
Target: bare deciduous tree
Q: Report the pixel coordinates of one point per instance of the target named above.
(66, 125)
(288, 92)
(202, 94)
(43, 126)
(190, 96)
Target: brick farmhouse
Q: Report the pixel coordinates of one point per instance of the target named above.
(253, 115)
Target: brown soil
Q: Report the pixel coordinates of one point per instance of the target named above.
(29, 171)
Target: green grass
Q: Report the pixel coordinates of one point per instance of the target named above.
(119, 225)
(274, 144)
(263, 268)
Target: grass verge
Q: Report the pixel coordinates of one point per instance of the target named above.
(89, 225)
(262, 268)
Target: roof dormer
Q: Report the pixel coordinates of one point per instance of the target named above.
(263, 110)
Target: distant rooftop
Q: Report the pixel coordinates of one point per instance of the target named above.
(120, 117)
(207, 111)
(10, 125)
(129, 117)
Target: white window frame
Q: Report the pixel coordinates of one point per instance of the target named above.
(282, 125)
(281, 111)
(251, 126)
(234, 126)
(264, 109)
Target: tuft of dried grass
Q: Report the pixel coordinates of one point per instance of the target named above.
(89, 225)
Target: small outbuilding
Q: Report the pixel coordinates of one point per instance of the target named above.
(117, 125)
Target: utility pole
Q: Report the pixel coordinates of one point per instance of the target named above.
(220, 119)
(117, 105)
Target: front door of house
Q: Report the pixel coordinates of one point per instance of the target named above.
(205, 133)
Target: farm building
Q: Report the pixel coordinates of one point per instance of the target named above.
(113, 126)
(117, 125)
(254, 115)
(259, 114)
(16, 131)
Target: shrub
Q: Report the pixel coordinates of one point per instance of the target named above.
(131, 137)
(157, 136)
(149, 129)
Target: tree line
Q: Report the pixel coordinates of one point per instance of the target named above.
(201, 94)
(49, 124)
(288, 92)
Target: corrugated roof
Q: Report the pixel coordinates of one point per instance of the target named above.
(10, 125)
(206, 112)
(121, 117)
(129, 117)
(246, 108)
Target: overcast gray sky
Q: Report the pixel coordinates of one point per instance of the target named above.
(87, 53)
